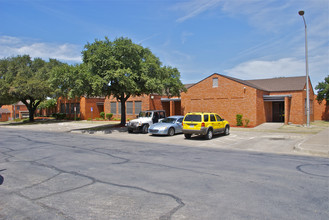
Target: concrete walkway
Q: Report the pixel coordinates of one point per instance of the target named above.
(317, 144)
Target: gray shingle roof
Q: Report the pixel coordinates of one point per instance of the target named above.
(3, 110)
(280, 84)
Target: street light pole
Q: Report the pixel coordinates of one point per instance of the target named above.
(301, 13)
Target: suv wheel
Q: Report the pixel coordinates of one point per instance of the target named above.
(171, 132)
(145, 128)
(187, 136)
(227, 130)
(209, 134)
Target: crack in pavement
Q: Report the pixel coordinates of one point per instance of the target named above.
(168, 215)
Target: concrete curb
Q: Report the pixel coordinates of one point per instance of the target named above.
(317, 144)
(299, 148)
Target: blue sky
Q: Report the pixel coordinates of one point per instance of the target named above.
(246, 39)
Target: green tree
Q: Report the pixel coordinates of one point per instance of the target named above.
(323, 90)
(48, 104)
(123, 69)
(26, 80)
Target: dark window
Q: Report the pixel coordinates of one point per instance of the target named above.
(180, 120)
(162, 114)
(206, 118)
(129, 108)
(78, 107)
(67, 108)
(113, 108)
(17, 107)
(72, 108)
(196, 118)
(138, 107)
(212, 117)
(218, 118)
(62, 108)
(119, 108)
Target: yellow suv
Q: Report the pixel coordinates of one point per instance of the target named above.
(206, 124)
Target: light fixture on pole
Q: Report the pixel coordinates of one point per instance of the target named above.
(301, 13)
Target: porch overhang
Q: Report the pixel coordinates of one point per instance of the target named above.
(275, 98)
(170, 99)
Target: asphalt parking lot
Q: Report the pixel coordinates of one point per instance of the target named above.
(268, 137)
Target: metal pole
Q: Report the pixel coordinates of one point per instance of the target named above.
(301, 13)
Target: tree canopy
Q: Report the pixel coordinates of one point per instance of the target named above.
(26, 80)
(123, 69)
(323, 90)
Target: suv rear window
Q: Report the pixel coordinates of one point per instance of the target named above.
(193, 118)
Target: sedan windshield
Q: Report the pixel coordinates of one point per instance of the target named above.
(169, 120)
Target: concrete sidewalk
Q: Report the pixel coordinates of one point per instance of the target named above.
(317, 144)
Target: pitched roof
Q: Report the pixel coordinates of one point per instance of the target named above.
(3, 111)
(188, 85)
(280, 84)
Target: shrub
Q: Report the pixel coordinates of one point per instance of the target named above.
(239, 120)
(102, 114)
(246, 122)
(59, 116)
(109, 116)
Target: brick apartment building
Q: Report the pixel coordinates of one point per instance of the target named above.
(4, 114)
(264, 100)
(134, 105)
(11, 112)
(83, 108)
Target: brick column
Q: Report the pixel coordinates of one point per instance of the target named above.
(286, 110)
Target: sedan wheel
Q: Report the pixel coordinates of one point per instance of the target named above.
(171, 132)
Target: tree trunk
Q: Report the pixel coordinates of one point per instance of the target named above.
(31, 106)
(31, 115)
(123, 112)
(123, 100)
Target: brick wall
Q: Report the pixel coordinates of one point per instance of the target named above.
(15, 110)
(321, 111)
(4, 116)
(228, 99)
(145, 105)
(85, 107)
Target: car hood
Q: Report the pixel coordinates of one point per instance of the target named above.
(141, 119)
(161, 125)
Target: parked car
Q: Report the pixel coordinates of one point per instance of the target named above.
(206, 124)
(145, 120)
(168, 126)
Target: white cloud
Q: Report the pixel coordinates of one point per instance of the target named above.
(194, 8)
(257, 69)
(285, 67)
(13, 46)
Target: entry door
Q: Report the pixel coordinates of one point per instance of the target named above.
(278, 111)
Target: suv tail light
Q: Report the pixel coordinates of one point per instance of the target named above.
(203, 124)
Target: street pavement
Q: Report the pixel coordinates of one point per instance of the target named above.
(111, 174)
